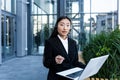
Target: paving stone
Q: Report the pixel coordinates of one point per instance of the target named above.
(24, 68)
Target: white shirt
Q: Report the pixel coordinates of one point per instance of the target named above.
(64, 42)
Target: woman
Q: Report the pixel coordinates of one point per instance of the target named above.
(60, 51)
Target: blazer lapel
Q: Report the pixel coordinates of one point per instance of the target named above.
(62, 49)
(70, 54)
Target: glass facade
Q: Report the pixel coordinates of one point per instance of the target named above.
(8, 29)
(7, 36)
(42, 25)
(87, 15)
(9, 5)
(86, 18)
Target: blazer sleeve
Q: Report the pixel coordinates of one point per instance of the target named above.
(48, 59)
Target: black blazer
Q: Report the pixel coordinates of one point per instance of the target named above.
(54, 47)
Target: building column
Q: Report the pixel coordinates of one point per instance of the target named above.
(29, 28)
(21, 31)
(61, 7)
(82, 36)
(0, 36)
(118, 7)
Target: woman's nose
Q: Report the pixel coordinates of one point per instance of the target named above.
(65, 27)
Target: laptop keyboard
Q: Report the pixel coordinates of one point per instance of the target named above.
(75, 74)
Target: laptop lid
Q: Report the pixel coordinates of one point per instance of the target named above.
(92, 68)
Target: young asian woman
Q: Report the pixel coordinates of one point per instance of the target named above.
(60, 52)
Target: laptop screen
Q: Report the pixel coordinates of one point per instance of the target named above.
(75, 74)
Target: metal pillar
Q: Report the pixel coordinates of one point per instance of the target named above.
(118, 23)
(81, 10)
(29, 28)
(61, 7)
(82, 37)
(90, 21)
(0, 36)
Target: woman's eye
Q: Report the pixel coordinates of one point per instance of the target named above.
(61, 24)
(68, 25)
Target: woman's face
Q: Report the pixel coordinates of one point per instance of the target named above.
(64, 28)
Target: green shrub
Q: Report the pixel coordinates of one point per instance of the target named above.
(102, 44)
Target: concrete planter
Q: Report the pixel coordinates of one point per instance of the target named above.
(41, 50)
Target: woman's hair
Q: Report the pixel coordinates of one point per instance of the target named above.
(55, 31)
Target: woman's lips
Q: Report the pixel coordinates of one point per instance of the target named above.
(64, 31)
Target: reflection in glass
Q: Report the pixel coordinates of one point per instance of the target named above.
(7, 35)
(2, 35)
(8, 5)
(3, 4)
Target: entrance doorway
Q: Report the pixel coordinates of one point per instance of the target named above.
(8, 36)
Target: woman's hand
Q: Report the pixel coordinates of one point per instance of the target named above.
(59, 59)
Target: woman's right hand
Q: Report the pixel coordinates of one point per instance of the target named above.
(59, 59)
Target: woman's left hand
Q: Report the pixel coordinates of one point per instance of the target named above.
(59, 59)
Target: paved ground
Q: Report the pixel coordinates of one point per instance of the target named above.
(24, 68)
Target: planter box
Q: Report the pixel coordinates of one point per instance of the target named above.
(41, 50)
(97, 79)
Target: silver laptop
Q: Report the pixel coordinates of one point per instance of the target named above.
(91, 69)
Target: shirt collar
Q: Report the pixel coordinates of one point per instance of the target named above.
(62, 38)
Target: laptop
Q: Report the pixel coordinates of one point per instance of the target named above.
(91, 69)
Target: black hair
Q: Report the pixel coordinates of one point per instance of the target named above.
(55, 32)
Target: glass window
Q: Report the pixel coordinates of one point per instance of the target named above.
(13, 6)
(3, 4)
(34, 9)
(9, 5)
(103, 23)
(100, 5)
